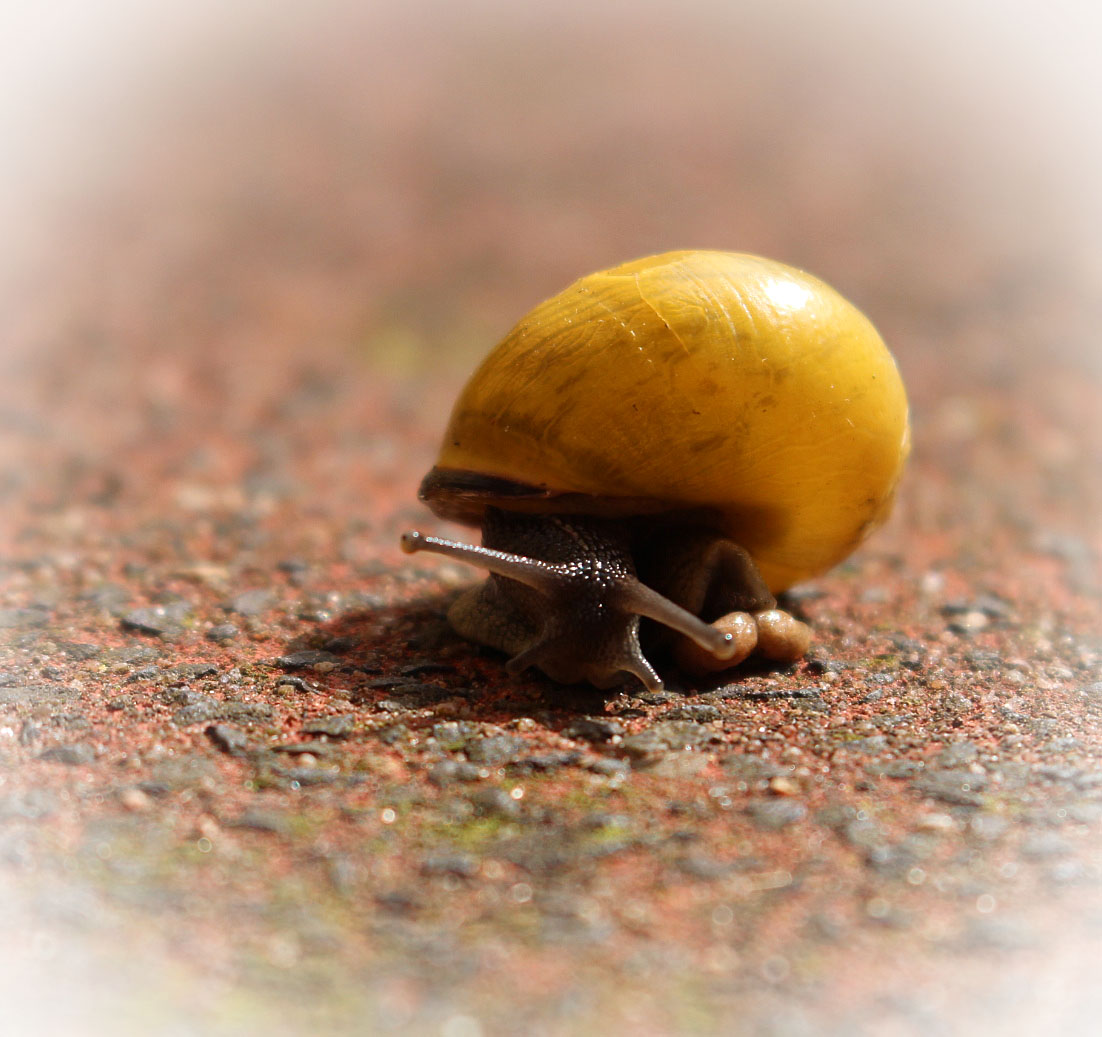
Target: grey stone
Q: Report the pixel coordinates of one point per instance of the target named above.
(461, 865)
(872, 745)
(158, 619)
(306, 776)
(682, 734)
(1044, 845)
(700, 712)
(79, 650)
(544, 763)
(865, 834)
(494, 802)
(78, 754)
(776, 813)
(251, 602)
(988, 827)
(412, 695)
(209, 709)
(646, 743)
(895, 769)
(231, 740)
(36, 694)
(593, 729)
(194, 671)
(262, 821)
(959, 754)
(999, 934)
(608, 767)
(960, 788)
(302, 748)
(333, 727)
(305, 658)
(495, 750)
(15, 618)
(222, 632)
(751, 768)
(681, 763)
(143, 673)
(448, 772)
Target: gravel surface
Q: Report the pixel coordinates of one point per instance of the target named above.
(249, 780)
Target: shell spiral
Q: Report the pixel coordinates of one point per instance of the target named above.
(712, 380)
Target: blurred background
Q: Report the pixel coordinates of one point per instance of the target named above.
(218, 213)
(392, 185)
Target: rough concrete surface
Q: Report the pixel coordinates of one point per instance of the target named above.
(249, 780)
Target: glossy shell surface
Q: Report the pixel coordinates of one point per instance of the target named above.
(711, 380)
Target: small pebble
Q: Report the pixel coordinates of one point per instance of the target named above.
(77, 755)
(230, 740)
(495, 750)
(158, 619)
(251, 602)
(222, 632)
(306, 658)
(957, 787)
(448, 772)
(935, 823)
(776, 813)
(969, 622)
(494, 802)
(701, 712)
(462, 866)
(135, 800)
(1045, 845)
(784, 787)
(334, 727)
(593, 729)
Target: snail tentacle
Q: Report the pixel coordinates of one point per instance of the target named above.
(626, 592)
(582, 604)
(529, 571)
(640, 599)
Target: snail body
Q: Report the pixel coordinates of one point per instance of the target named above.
(708, 398)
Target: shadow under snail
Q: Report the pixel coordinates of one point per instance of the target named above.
(679, 438)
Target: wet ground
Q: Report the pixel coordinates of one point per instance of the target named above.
(251, 783)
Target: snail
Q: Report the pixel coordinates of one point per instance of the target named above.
(679, 438)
